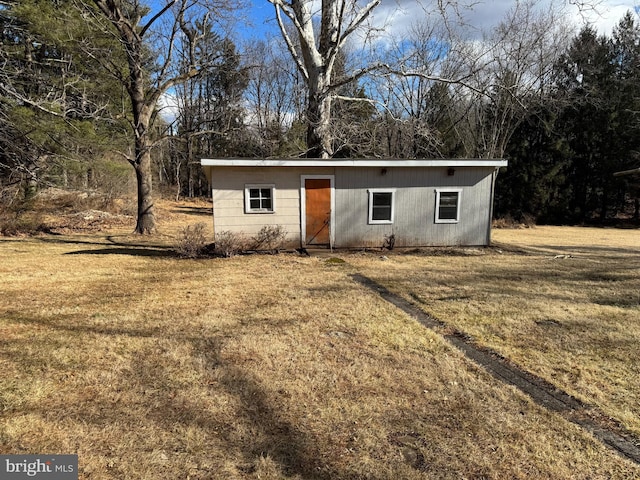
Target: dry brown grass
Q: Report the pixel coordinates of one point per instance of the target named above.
(154, 367)
(563, 303)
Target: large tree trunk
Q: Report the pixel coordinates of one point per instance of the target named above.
(315, 56)
(319, 142)
(146, 222)
(130, 19)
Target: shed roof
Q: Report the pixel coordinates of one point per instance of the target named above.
(349, 162)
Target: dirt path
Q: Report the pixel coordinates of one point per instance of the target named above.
(543, 393)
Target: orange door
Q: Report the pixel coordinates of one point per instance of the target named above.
(318, 210)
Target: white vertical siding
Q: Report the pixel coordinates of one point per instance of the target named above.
(414, 222)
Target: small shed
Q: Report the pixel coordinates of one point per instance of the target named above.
(354, 203)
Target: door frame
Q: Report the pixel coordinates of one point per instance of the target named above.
(303, 207)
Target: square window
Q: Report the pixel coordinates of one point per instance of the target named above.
(259, 198)
(381, 206)
(448, 206)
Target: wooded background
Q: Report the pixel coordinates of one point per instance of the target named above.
(89, 89)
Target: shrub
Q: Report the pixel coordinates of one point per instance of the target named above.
(24, 223)
(21, 218)
(193, 241)
(508, 222)
(229, 244)
(270, 237)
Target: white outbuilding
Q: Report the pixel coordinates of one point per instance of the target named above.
(356, 203)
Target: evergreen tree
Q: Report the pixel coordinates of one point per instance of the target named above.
(50, 95)
(534, 186)
(598, 78)
(562, 159)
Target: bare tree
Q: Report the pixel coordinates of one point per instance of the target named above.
(496, 81)
(177, 25)
(425, 73)
(519, 77)
(495, 75)
(320, 40)
(274, 96)
(210, 114)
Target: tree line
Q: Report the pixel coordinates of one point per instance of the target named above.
(91, 88)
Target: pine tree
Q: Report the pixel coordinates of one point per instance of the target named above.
(50, 95)
(599, 75)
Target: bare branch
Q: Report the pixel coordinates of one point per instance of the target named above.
(627, 172)
(30, 102)
(355, 76)
(278, 5)
(451, 81)
(363, 14)
(146, 27)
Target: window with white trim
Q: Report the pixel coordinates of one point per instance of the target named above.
(381, 205)
(448, 205)
(259, 198)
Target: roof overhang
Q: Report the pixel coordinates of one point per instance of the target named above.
(358, 162)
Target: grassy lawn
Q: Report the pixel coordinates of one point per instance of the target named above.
(153, 367)
(563, 303)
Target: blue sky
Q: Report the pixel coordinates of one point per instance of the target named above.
(398, 15)
(258, 19)
(262, 18)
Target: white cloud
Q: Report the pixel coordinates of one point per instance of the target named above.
(608, 15)
(168, 107)
(398, 16)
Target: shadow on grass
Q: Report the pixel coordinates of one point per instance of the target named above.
(196, 211)
(292, 449)
(256, 430)
(111, 246)
(129, 250)
(625, 301)
(69, 323)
